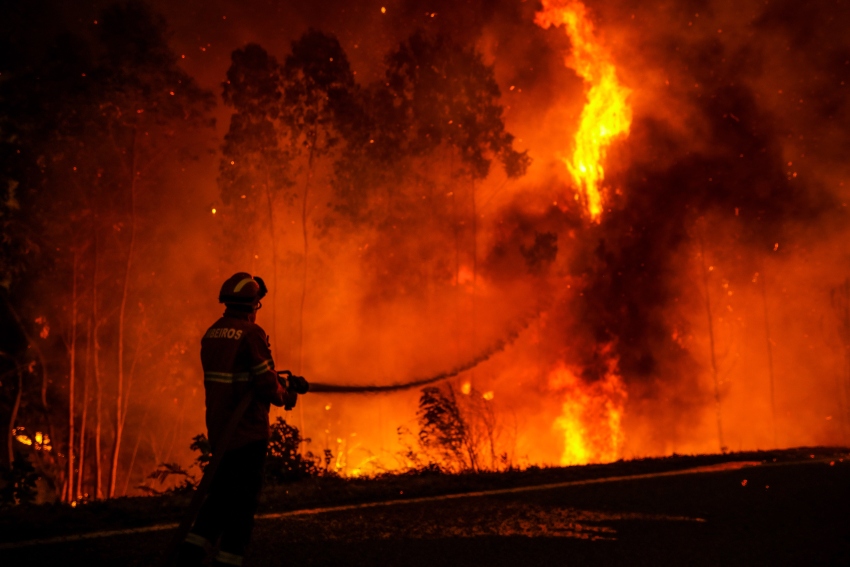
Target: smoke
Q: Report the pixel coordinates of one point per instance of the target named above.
(735, 147)
(711, 164)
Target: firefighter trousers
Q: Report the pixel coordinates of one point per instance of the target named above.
(228, 512)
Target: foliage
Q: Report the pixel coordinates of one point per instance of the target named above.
(443, 92)
(18, 484)
(442, 428)
(457, 433)
(317, 92)
(254, 159)
(436, 94)
(284, 461)
(285, 117)
(201, 444)
(185, 481)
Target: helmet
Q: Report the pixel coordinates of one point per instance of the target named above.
(242, 289)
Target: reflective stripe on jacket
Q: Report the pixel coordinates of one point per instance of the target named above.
(236, 357)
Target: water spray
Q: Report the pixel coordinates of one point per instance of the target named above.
(486, 354)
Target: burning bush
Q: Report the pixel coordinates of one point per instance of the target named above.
(458, 434)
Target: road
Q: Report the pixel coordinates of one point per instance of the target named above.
(769, 514)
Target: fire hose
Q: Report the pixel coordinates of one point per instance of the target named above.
(300, 386)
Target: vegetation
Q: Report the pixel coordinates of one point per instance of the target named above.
(458, 434)
(92, 187)
(285, 463)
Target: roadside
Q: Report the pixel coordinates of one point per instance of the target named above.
(384, 513)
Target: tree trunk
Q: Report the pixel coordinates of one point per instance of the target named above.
(71, 379)
(270, 201)
(98, 472)
(13, 416)
(711, 346)
(305, 243)
(456, 231)
(473, 338)
(135, 452)
(843, 390)
(304, 280)
(83, 417)
(769, 354)
(178, 427)
(126, 410)
(122, 318)
(45, 380)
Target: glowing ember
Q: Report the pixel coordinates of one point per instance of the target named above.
(591, 418)
(23, 439)
(39, 440)
(606, 115)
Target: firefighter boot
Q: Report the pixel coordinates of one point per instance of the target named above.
(225, 559)
(192, 553)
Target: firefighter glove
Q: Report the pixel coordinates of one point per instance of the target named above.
(298, 384)
(290, 398)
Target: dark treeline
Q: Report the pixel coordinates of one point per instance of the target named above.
(99, 337)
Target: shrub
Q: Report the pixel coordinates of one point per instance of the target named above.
(18, 483)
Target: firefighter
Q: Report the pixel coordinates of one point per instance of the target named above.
(236, 358)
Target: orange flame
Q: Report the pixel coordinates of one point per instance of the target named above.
(606, 115)
(591, 418)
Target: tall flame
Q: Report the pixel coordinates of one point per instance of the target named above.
(591, 416)
(606, 114)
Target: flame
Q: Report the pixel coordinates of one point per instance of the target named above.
(591, 416)
(606, 115)
(23, 439)
(40, 441)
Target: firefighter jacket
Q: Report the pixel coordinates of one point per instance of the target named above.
(236, 358)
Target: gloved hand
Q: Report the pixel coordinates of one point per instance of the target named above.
(290, 398)
(298, 384)
(293, 385)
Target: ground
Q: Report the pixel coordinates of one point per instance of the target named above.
(718, 510)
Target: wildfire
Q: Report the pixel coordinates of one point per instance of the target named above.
(40, 441)
(606, 115)
(591, 418)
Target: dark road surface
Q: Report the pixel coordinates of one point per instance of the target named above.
(788, 514)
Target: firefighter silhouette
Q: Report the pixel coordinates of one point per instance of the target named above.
(237, 362)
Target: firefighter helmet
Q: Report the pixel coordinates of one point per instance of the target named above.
(242, 288)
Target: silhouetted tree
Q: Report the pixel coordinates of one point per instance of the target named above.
(256, 156)
(318, 92)
(93, 116)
